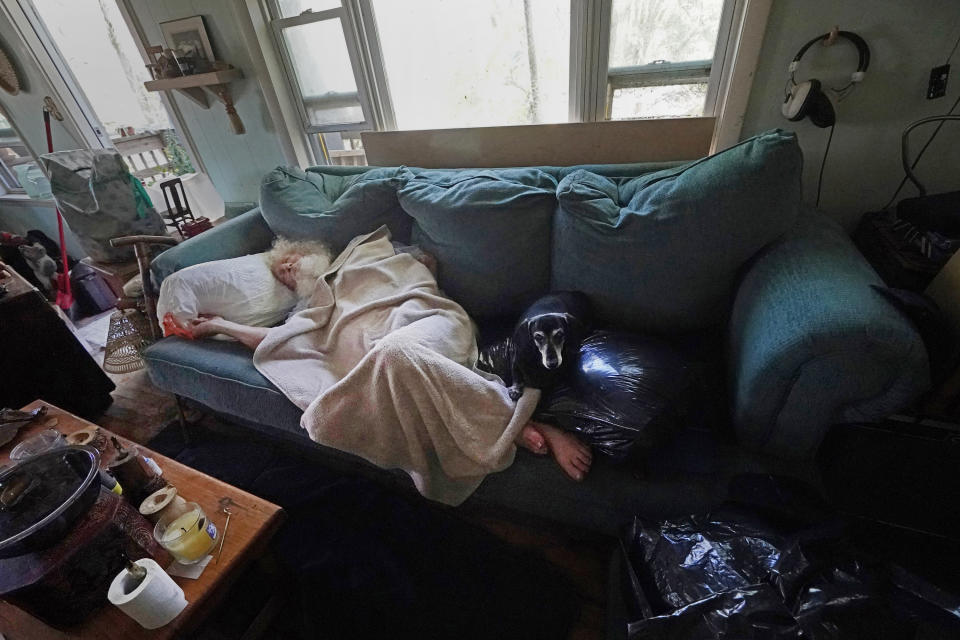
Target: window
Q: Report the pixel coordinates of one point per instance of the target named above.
(329, 94)
(432, 64)
(14, 157)
(661, 57)
(470, 64)
(331, 98)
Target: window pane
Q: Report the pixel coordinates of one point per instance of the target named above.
(671, 101)
(451, 63)
(645, 31)
(329, 89)
(97, 46)
(290, 8)
(344, 148)
(13, 154)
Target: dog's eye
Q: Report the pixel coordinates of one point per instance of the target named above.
(558, 334)
(538, 335)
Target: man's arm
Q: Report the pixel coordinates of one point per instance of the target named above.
(251, 337)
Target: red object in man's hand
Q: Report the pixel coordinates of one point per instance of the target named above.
(172, 328)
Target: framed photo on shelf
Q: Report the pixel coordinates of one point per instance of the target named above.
(188, 38)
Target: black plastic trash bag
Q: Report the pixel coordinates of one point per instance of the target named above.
(624, 392)
(733, 576)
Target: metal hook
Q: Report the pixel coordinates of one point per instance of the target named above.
(51, 107)
(832, 36)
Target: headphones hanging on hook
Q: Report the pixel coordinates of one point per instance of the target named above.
(807, 99)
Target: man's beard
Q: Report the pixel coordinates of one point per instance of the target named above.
(309, 269)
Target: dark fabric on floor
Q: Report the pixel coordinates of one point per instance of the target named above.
(362, 561)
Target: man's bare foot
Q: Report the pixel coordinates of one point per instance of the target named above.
(573, 456)
(532, 440)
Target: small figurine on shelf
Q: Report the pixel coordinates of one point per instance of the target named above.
(155, 53)
(163, 63)
(188, 65)
(169, 67)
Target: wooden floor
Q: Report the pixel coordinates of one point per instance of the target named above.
(140, 411)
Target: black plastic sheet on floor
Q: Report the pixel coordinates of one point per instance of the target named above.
(737, 574)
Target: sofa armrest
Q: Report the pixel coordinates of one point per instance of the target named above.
(247, 233)
(811, 344)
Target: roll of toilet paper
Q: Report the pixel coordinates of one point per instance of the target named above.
(153, 602)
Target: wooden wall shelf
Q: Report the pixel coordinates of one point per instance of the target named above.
(196, 86)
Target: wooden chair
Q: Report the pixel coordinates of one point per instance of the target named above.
(141, 249)
(178, 209)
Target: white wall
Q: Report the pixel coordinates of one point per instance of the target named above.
(235, 163)
(906, 39)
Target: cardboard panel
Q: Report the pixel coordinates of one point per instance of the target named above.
(945, 290)
(543, 144)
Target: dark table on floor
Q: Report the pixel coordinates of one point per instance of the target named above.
(41, 358)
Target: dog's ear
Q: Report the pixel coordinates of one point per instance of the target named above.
(573, 323)
(522, 332)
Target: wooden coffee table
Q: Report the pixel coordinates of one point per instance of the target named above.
(253, 523)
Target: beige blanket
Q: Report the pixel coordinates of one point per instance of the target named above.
(383, 366)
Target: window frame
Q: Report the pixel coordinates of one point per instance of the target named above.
(658, 74)
(728, 75)
(279, 24)
(590, 48)
(366, 61)
(9, 184)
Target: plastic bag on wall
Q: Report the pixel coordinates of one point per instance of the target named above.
(624, 391)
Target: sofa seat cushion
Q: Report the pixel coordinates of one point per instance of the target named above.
(332, 207)
(221, 375)
(490, 232)
(661, 252)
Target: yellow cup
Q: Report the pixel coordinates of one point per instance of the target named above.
(188, 535)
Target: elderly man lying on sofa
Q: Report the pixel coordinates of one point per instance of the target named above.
(380, 361)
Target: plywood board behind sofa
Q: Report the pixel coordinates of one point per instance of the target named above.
(659, 140)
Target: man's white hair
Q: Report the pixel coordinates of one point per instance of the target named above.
(282, 247)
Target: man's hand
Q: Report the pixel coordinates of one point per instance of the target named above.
(205, 326)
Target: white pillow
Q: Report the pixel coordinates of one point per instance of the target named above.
(239, 289)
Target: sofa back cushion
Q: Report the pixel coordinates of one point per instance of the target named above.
(660, 252)
(332, 207)
(490, 231)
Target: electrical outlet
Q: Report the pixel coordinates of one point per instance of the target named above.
(938, 82)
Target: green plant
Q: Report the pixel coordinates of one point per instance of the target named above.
(179, 160)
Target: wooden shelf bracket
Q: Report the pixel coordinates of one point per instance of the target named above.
(195, 88)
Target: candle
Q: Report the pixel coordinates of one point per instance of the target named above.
(189, 535)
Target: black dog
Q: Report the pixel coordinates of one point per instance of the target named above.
(548, 335)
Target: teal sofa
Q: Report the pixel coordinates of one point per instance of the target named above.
(720, 246)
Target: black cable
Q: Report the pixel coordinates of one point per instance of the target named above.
(933, 135)
(913, 165)
(954, 50)
(823, 163)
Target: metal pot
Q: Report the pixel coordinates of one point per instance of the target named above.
(42, 497)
